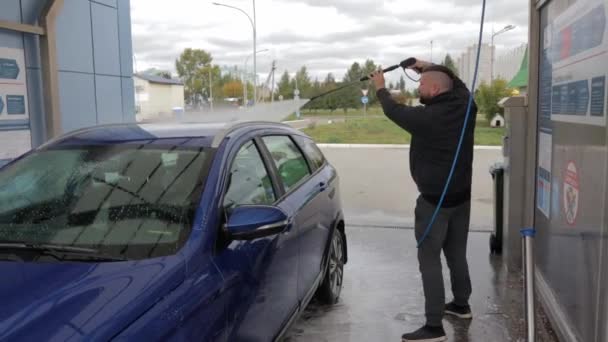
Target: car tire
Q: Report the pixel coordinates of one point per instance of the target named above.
(331, 286)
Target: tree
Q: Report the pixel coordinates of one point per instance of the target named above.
(402, 84)
(191, 68)
(416, 93)
(232, 89)
(304, 84)
(449, 63)
(329, 101)
(349, 97)
(488, 96)
(329, 79)
(157, 72)
(284, 86)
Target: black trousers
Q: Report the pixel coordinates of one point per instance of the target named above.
(449, 233)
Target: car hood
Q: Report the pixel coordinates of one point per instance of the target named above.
(81, 301)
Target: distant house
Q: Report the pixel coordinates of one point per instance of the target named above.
(156, 96)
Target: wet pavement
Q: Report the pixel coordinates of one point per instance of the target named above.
(382, 295)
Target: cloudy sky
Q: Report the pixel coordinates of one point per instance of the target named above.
(324, 35)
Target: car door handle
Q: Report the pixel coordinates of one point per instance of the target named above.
(322, 186)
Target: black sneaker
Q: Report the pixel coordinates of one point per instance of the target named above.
(425, 334)
(458, 311)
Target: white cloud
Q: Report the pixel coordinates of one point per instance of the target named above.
(324, 36)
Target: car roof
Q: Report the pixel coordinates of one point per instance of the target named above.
(190, 133)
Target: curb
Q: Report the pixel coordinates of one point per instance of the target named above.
(295, 121)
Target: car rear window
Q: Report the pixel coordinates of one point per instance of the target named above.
(288, 159)
(312, 151)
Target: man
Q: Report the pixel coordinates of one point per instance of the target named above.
(435, 129)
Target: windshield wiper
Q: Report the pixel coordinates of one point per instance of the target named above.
(60, 252)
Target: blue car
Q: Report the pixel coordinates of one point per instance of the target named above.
(188, 232)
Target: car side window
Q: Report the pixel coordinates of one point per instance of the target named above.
(311, 150)
(249, 181)
(288, 159)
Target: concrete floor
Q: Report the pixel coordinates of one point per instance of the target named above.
(382, 295)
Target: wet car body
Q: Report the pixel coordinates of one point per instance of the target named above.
(230, 274)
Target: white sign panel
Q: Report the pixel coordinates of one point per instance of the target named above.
(579, 45)
(13, 87)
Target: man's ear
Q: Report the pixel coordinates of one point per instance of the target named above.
(436, 89)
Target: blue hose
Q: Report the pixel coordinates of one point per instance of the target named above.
(464, 128)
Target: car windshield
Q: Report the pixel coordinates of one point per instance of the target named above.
(127, 201)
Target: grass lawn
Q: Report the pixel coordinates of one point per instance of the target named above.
(380, 130)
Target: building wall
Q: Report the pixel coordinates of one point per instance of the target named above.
(466, 65)
(95, 63)
(155, 100)
(94, 49)
(507, 64)
(177, 96)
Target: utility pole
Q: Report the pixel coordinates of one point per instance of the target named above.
(296, 97)
(210, 88)
(505, 29)
(272, 86)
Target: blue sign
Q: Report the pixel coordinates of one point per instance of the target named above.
(364, 99)
(598, 89)
(1, 105)
(15, 104)
(8, 69)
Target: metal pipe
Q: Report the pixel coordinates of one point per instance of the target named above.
(528, 261)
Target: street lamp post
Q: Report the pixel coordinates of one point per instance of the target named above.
(245, 78)
(296, 97)
(253, 26)
(505, 29)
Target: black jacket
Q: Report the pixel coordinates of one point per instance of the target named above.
(435, 130)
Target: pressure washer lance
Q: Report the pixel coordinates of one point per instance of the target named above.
(528, 267)
(404, 64)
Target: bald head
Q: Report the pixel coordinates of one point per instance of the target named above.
(433, 83)
(440, 80)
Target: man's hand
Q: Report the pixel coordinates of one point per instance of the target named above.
(377, 77)
(420, 65)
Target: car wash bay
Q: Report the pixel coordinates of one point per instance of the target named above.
(382, 293)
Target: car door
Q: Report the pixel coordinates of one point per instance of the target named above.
(304, 196)
(261, 273)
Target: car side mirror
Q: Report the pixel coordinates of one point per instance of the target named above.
(250, 222)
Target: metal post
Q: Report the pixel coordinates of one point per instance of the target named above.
(296, 96)
(210, 88)
(253, 25)
(272, 87)
(505, 29)
(492, 58)
(255, 74)
(245, 89)
(528, 257)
